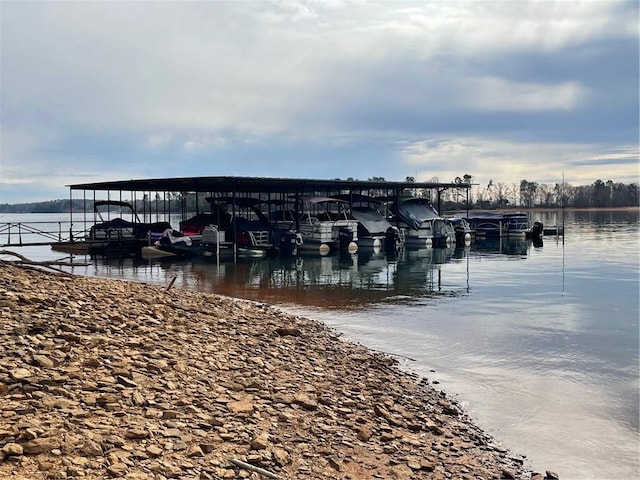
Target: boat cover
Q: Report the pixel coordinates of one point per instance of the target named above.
(370, 220)
(415, 211)
(137, 229)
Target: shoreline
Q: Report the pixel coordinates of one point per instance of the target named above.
(553, 209)
(179, 384)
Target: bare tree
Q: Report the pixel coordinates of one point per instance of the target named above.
(501, 191)
(514, 192)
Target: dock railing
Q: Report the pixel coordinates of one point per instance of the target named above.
(23, 234)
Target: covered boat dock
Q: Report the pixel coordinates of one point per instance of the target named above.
(156, 199)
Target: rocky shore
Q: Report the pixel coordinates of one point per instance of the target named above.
(103, 379)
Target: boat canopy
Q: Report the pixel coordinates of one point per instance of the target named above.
(114, 203)
(358, 198)
(370, 220)
(241, 222)
(314, 200)
(415, 211)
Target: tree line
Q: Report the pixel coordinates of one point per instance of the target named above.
(171, 202)
(529, 194)
(496, 195)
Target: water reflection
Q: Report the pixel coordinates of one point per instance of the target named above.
(334, 281)
(505, 246)
(341, 281)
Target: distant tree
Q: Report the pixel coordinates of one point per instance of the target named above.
(513, 192)
(545, 195)
(601, 194)
(500, 195)
(528, 193)
(486, 195)
(633, 195)
(567, 194)
(557, 192)
(582, 196)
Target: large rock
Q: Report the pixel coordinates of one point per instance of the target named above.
(41, 445)
(12, 449)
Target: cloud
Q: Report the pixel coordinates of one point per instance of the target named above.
(487, 159)
(123, 89)
(497, 94)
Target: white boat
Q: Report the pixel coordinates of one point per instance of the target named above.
(420, 223)
(325, 224)
(461, 229)
(374, 230)
(175, 244)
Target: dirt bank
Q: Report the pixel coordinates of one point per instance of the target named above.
(109, 379)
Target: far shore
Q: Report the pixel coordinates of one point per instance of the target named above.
(556, 209)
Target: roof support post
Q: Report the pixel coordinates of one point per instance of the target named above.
(467, 202)
(233, 212)
(70, 217)
(296, 211)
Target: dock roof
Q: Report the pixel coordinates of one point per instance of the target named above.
(226, 184)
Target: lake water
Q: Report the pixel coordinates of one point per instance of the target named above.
(539, 344)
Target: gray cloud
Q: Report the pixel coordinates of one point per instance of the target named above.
(327, 89)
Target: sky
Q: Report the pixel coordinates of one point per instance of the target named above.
(500, 90)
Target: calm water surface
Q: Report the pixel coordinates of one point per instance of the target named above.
(540, 344)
